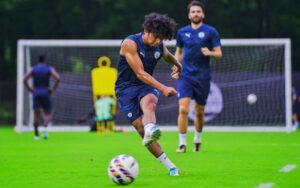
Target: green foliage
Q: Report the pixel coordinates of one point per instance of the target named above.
(5, 115)
(104, 19)
(78, 65)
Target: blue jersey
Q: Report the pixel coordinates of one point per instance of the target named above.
(41, 77)
(195, 64)
(149, 56)
(41, 95)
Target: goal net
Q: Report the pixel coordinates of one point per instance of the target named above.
(249, 66)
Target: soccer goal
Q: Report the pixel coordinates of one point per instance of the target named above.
(261, 67)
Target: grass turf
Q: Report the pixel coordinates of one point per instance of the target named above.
(80, 159)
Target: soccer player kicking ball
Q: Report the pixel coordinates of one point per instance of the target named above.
(42, 91)
(136, 90)
(196, 43)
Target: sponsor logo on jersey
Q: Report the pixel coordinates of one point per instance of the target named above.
(201, 34)
(142, 54)
(188, 35)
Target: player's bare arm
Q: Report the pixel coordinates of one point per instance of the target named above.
(216, 52)
(129, 51)
(168, 57)
(178, 56)
(178, 53)
(25, 80)
(56, 78)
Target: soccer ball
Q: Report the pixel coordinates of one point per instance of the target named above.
(123, 169)
(252, 98)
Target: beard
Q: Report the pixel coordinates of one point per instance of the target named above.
(196, 20)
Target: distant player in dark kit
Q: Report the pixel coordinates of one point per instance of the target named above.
(295, 107)
(136, 90)
(196, 43)
(41, 92)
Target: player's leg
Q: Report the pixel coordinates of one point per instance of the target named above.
(36, 123)
(130, 103)
(185, 94)
(201, 90)
(47, 119)
(184, 105)
(36, 115)
(148, 106)
(156, 149)
(46, 103)
(199, 123)
(294, 118)
(295, 115)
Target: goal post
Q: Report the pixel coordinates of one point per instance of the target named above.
(259, 66)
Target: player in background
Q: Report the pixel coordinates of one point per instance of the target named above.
(295, 107)
(42, 91)
(195, 44)
(136, 90)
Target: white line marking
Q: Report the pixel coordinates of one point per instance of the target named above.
(265, 185)
(288, 168)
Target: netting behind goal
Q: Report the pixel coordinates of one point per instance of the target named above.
(248, 67)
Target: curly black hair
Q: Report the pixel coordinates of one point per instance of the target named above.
(160, 25)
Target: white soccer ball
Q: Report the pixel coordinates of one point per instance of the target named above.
(252, 98)
(123, 169)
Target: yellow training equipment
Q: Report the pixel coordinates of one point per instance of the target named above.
(103, 80)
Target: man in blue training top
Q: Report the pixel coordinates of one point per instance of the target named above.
(196, 43)
(136, 90)
(42, 91)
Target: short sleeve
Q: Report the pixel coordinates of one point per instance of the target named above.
(179, 42)
(215, 38)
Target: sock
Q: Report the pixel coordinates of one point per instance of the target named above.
(36, 131)
(182, 139)
(197, 137)
(165, 161)
(45, 132)
(148, 126)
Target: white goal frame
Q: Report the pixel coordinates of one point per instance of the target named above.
(22, 44)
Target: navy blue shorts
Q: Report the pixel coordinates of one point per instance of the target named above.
(129, 100)
(42, 99)
(195, 89)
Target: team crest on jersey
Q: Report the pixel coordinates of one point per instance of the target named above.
(201, 34)
(156, 55)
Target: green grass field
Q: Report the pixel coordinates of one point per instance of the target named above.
(80, 159)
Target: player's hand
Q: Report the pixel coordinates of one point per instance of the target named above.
(206, 51)
(175, 72)
(169, 91)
